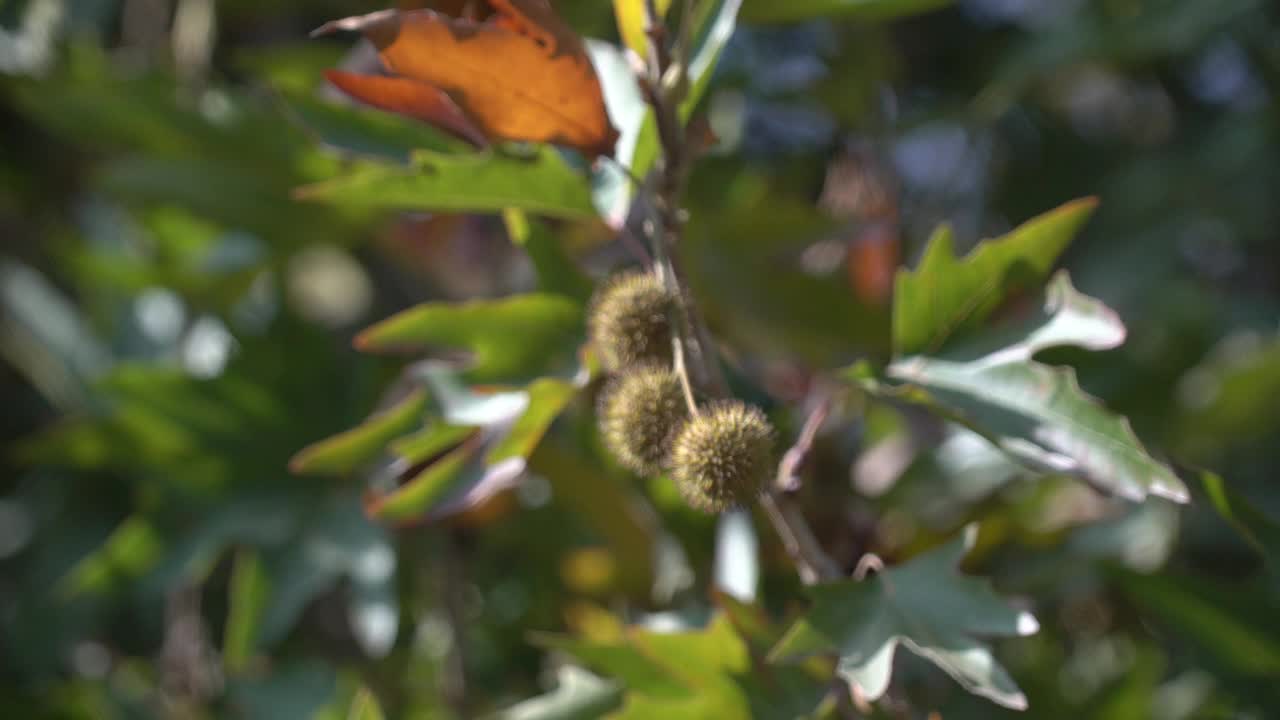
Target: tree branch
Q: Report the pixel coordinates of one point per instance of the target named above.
(692, 349)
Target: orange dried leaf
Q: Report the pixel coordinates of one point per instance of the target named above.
(410, 98)
(521, 75)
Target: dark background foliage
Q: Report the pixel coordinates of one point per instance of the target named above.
(175, 326)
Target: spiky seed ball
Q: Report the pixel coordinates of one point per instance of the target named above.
(640, 412)
(723, 458)
(629, 321)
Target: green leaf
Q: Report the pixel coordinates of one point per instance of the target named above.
(510, 339)
(469, 465)
(557, 273)
(714, 28)
(620, 660)
(770, 11)
(580, 696)
(547, 399)
(432, 486)
(365, 706)
(1261, 531)
(1039, 414)
(948, 296)
(133, 548)
(541, 182)
(430, 442)
(926, 606)
(247, 598)
(684, 674)
(345, 452)
(694, 674)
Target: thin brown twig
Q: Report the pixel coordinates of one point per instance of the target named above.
(668, 224)
(789, 469)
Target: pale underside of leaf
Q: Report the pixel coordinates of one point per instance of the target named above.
(1039, 414)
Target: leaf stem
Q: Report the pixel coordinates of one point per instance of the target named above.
(682, 372)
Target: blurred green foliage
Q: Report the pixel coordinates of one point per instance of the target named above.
(213, 505)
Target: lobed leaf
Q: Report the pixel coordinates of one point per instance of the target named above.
(926, 606)
(947, 296)
(1039, 414)
(512, 338)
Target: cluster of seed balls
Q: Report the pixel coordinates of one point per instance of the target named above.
(720, 458)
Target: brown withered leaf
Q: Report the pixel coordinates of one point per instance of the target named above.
(410, 98)
(521, 74)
